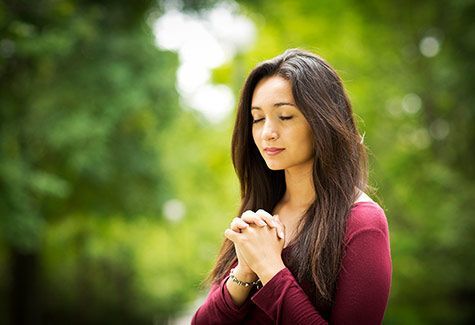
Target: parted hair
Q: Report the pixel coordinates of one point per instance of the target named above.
(339, 168)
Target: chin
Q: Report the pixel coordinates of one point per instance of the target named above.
(274, 166)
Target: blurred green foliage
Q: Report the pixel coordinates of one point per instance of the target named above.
(85, 98)
(94, 142)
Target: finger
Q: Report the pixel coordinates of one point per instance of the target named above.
(280, 227)
(267, 217)
(250, 217)
(238, 224)
(231, 235)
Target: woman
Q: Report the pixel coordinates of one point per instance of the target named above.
(309, 247)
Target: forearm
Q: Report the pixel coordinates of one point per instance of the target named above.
(220, 307)
(239, 293)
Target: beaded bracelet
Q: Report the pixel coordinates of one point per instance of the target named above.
(243, 283)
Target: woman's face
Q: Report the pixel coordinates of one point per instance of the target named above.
(280, 131)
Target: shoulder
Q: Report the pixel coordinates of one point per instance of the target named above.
(366, 216)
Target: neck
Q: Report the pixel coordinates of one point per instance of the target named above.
(300, 191)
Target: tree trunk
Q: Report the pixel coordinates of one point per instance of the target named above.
(24, 304)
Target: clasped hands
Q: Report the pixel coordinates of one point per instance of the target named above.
(258, 239)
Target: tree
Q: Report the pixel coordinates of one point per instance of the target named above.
(84, 95)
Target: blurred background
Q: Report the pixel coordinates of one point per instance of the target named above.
(116, 181)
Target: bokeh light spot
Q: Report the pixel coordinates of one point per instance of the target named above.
(429, 46)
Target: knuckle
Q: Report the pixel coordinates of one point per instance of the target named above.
(242, 223)
(264, 213)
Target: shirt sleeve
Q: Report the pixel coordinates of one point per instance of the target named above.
(285, 302)
(365, 279)
(219, 308)
(362, 289)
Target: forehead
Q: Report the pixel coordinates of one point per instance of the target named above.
(272, 90)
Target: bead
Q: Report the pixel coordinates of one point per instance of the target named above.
(243, 283)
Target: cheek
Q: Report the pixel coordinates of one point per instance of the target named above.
(255, 136)
(306, 139)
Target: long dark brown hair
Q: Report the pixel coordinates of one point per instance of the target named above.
(339, 167)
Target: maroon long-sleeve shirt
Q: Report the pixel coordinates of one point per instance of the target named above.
(362, 288)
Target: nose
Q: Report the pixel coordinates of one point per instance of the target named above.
(269, 130)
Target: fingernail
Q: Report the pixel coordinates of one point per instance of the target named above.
(281, 234)
(262, 223)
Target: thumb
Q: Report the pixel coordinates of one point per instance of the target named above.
(280, 228)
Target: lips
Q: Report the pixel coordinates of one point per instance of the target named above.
(272, 151)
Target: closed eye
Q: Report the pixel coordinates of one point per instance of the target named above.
(283, 118)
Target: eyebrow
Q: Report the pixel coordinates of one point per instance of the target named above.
(279, 104)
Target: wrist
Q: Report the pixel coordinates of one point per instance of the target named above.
(268, 273)
(242, 283)
(245, 274)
